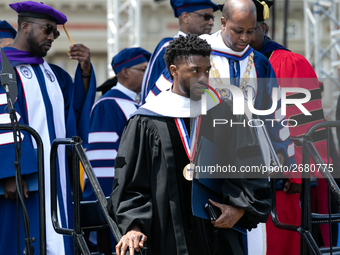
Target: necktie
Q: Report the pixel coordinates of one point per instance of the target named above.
(234, 75)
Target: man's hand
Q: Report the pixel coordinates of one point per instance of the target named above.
(81, 53)
(229, 217)
(10, 188)
(134, 239)
(291, 188)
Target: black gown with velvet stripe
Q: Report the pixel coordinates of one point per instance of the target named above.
(149, 188)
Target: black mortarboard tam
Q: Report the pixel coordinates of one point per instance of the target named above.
(262, 9)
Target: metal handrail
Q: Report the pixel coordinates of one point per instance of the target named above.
(78, 154)
(41, 182)
(80, 244)
(318, 160)
(307, 241)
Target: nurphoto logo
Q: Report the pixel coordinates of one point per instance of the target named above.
(239, 97)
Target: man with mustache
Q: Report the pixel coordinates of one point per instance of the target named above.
(56, 107)
(195, 17)
(151, 198)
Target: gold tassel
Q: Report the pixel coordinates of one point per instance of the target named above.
(68, 35)
(265, 10)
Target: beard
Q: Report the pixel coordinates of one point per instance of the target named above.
(189, 90)
(34, 46)
(185, 89)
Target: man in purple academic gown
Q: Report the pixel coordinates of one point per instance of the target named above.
(56, 107)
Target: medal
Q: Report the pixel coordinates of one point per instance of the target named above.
(188, 171)
(189, 144)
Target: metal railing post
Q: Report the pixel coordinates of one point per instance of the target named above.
(41, 181)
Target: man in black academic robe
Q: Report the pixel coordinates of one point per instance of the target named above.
(151, 199)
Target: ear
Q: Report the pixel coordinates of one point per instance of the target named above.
(173, 70)
(25, 27)
(125, 73)
(223, 23)
(264, 28)
(185, 17)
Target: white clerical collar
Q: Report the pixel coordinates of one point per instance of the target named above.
(217, 44)
(180, 33)
(170, 104)
(126, 91)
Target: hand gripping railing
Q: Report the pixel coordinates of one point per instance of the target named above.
(78, 154)
(307, 241)
(41, 183)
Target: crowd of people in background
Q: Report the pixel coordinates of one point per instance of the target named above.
(141, 136)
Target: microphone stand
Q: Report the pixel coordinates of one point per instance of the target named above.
(8, 81)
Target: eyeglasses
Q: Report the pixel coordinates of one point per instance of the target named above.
(206, 16)
(141, 70)
(48, 29)
(256, 28)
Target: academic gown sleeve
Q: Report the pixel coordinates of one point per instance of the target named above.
(154, 70)
(241, 149)
(78, 104)
(106, 119)
(293, 70)
(252, 195)
(131, 200)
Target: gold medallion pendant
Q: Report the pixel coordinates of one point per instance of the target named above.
(188, 171)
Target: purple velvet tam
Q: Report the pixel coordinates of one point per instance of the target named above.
(38, 11)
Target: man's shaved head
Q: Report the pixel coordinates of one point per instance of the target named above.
(231, 6)
(238, 23)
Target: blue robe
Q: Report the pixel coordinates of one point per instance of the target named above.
(108, 118)
(154, 70)
(77, 105)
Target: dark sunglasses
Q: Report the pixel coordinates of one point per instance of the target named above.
(206, 16)
(48, 29)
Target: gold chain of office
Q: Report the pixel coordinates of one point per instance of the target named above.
(246, 76)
